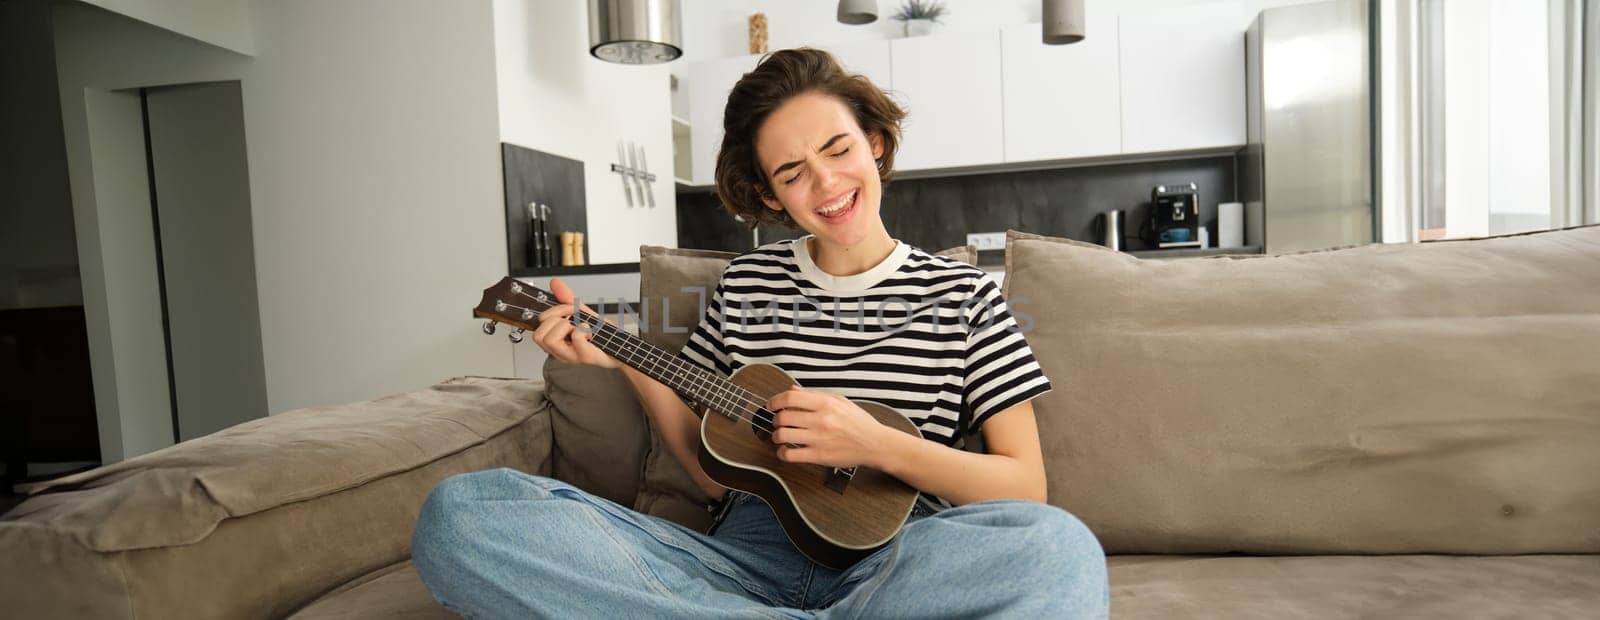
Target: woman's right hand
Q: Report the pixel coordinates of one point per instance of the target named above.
(564, 341)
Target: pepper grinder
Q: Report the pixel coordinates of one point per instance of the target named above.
(549, 255)
(536, 249)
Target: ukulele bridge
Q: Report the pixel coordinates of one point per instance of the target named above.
(839, 479)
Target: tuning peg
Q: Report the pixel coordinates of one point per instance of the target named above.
(488, 327)
(515, 336)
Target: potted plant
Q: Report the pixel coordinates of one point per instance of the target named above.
(920, 16)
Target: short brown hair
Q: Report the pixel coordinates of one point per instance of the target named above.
(780, 76)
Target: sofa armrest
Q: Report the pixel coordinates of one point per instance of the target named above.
(261, 518)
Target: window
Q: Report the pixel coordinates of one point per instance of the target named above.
(1494, 106)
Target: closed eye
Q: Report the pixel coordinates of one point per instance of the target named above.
(796, 176)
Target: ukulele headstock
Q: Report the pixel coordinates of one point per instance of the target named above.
(514, 303)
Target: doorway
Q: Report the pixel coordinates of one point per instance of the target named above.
(196, 161)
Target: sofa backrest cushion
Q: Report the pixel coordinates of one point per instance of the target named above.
(261, 518)
(673, 312)
(1432, 398)
(601, 431)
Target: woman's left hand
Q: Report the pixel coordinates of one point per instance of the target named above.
(829, 429)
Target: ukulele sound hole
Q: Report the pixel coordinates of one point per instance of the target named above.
(834, 478)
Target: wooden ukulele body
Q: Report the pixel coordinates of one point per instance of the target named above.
(834, 517)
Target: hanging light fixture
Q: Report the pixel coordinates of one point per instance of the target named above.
(1063, 21)
(858, 12)
(635, 32)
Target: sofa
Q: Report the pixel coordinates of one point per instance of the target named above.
(1385, 430)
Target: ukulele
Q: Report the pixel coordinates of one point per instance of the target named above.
(834, 515)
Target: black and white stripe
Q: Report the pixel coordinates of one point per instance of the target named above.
(927, 335)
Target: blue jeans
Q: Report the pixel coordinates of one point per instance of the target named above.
(501, 544)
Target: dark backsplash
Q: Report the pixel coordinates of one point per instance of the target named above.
(938, 213)
(536, 176)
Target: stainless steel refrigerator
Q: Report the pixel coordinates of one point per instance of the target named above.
(1307, 169)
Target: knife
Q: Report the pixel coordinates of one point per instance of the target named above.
(622, 167)
(644, 171)
(633, 166)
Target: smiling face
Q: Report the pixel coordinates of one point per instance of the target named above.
(822, 169)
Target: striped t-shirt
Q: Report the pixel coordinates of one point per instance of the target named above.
(928, 335)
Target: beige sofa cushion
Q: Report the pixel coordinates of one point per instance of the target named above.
(258, 519)
(600, 432)
(393, 592)
(663, 273)
(1337, 587)
(1433, 398)
(667, 490)
(1162, 587)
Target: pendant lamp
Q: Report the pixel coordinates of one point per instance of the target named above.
(858, 12)
(1063, 21)
(635, 32)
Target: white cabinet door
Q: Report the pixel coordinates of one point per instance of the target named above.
(1183, 77)
(1062, 101)
(709, 83)
(869, 58)
(950, 85)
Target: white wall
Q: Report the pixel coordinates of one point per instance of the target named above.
(375, 175)
(224, 23)
(374, 162)
(554, 97)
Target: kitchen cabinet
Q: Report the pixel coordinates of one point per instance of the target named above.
(709, 83)
(1061, 101)
(950, 85)
(869, 58)
(1182, 77)
(1141, 82)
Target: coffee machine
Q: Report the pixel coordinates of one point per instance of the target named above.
(1174, 216)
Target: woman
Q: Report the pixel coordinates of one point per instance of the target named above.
(808, 145)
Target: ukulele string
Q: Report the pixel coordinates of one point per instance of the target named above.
(765, 422)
